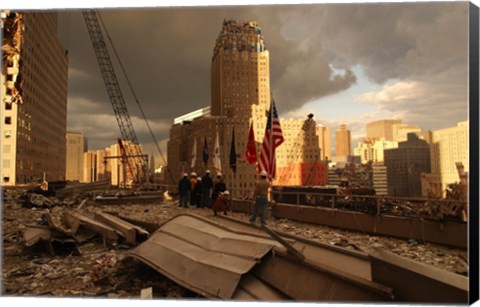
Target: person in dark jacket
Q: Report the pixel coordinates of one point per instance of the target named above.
(183, 189)
(193, 182)
(207, 185)
(222, 203)
(219, 186)
(197, 192)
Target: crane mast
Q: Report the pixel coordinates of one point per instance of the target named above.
(114, 92)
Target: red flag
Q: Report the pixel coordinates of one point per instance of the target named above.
(251, 151)
(272, 139)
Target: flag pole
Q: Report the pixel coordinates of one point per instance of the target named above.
(272, 146)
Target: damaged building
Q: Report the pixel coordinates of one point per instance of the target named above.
(33, 85)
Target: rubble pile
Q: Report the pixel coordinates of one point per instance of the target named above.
(91, 261)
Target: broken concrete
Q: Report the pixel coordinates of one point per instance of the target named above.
(132, 233)
(79, 222)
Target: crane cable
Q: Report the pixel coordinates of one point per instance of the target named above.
(134, 94)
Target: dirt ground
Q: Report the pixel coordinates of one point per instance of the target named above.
(98, 270)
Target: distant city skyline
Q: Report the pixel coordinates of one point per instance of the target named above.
(345, 63)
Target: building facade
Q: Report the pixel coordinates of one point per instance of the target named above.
(34, 98)
(400, 132)
(405, 165)
(380, 178)
(373, 149)
(240, 95)
(106, 164)
(342, 142)
(75, 147)
(382, 129)
(324, 143)
(449, 146)
(298, 159)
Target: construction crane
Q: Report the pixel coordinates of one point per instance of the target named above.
(297, 150)
(133, 153)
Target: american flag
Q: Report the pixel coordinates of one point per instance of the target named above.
(272, 139)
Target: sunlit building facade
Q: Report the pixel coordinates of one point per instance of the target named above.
(33, 98)
(342, 142)
(382, 129)
(449, 146)
(240, 95)
(75, 146)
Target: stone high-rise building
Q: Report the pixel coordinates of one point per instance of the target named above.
(33, 98)
(405, 165)
(75, 145)
(342, 142)
(323, 133)
(382, 129)
(240, 95)
(373, 149)
(449, 145)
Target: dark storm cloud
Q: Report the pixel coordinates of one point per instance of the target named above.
(167, 55)
(313, 48)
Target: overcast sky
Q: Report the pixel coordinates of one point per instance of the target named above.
(346, 63)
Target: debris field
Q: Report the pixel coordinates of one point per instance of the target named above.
(91, 266)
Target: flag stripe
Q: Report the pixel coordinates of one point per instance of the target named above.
(272, 139)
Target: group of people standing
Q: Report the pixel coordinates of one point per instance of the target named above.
(202, 192)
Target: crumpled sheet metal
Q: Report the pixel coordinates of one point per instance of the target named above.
(202, 256)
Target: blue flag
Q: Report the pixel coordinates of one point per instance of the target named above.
(233, 154)
(205, 152)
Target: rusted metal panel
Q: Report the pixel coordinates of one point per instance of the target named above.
(291, 250)
(253, 288)
(128, 230)
(150, 227)
(33, 235)
(307, 282)
(416, 282)
(202, 256)
(353, 262)
(447, 233)
(217, 237)
(134, 199)
(76, 188)
(76, 220)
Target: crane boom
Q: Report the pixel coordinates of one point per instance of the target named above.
(113, 89)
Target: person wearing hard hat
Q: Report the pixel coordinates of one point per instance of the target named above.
(219, 186)
(197, 192)
(183, 189)
(222, 203)
(193, 182)
(260, 197)
(207, 185)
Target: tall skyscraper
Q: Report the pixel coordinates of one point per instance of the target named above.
(323, 133)
(34, 98)
(382, 129)
(449, 145)
(342, 141)
(240, 94)
(75, 145)
(405, 165)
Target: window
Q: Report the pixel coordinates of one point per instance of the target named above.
(6, 163)
(8, 106)
(7, 149)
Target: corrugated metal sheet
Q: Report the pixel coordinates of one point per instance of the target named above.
(202, 256)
